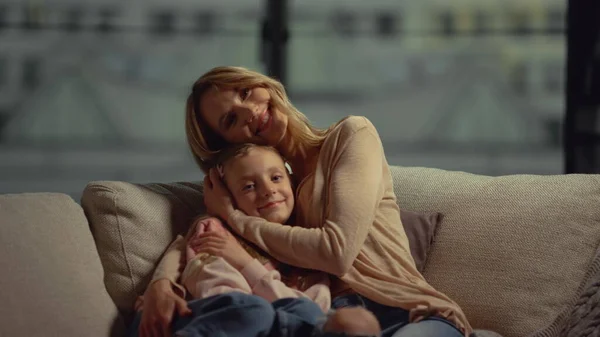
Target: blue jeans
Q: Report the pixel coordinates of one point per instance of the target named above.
(394, 321)
(238, 314)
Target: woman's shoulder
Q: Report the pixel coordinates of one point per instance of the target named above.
(350, 128)
(350, 125)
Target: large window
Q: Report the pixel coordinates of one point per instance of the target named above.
(97, 91)
(469, 86)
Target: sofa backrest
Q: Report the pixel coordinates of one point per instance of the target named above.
(513, 251)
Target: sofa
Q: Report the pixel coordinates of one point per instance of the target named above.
(519, 253)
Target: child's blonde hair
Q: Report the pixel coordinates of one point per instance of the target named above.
(206, 144)
(238, 150)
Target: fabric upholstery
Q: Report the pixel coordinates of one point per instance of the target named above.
(52, 280)
(513, 251)
(420, 229)
(132, 225)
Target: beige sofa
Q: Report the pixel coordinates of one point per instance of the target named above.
(518, 253)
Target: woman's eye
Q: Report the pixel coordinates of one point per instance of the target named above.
(244, 93)
(230, 120)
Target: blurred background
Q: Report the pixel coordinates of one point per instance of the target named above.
(95, 89)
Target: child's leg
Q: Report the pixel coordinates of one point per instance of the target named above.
(234, 314)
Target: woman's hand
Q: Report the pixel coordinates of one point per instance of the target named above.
(160, 301)
(222, 244)
(217, 198)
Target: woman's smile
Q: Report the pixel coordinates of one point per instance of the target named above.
(264, 120)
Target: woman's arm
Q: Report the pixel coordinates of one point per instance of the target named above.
(170, 264)
(268, 285)
(353, 193)
(163, 295)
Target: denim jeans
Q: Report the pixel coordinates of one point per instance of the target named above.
(394, 321)
(237, 314)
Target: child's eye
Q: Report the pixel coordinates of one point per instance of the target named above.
(248, 187)
(277, 178)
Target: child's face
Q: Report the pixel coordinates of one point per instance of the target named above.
(260, 185)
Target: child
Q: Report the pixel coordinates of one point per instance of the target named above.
(261, 185)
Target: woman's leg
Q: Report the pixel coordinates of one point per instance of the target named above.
(303, 317)
(394, 321)
(352, 321)
(390, 319)
(429, 328)
(295, 317)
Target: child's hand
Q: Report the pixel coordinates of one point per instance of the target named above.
(202, 225)
(222, 244)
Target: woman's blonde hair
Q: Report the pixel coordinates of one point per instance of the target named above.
(206, 143)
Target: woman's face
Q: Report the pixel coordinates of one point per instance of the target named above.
(243, 116)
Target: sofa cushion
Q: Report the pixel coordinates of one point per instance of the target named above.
(52, 282)
(420, 229)
(513, 251)
(133, 224)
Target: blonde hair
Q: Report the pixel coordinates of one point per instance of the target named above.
(205, 144)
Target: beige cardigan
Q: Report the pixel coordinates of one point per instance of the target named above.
(351, 228)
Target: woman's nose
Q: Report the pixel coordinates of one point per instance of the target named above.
(248, 113)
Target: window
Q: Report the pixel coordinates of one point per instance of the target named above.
(520, 23)
(32, 17)
(518, 78)
(73, 20)
(386, 24)
(553, 78)
(481, 23)
(553, 128)
(3, 16)
(162, 22)
(344, 23)
(555, 20)
(30, 76)
(447, 23)
(205, 22)
(106, 23)
(3, 71)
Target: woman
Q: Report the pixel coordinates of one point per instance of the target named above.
(347, 221)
